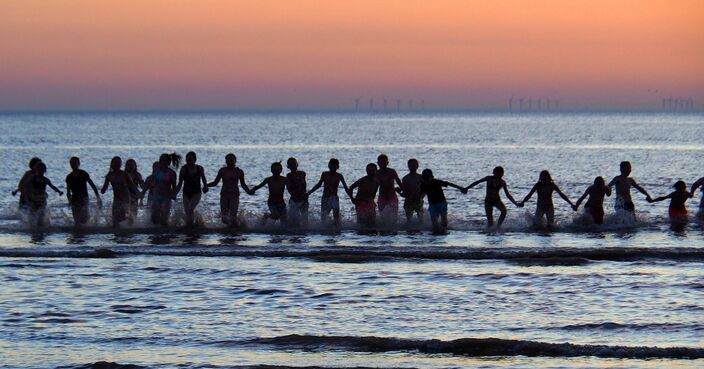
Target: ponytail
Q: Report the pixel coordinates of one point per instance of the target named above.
(175, 159)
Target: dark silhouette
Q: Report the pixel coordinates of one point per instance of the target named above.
(298, 196)
(164, 186)
(699, 183)
(190, 177)
(23, 185)
(494, 183)
(623, 185)
(545, 187)
(148, 186)
(77, 192)
(330, 181)
(277, 185)
(136, 178)
(122, 189)
(410, 190)
(678, 202)
(367, 187)
(232, 177)
(388, 180)
(37, 194)
(595, 205)
(437, 204)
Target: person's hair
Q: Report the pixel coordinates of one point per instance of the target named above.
(76, 158)
(41, 166)
(231, 155)
(624, 164)
(155, 165)
(33, 161)
(291, 162)
(546, 175)
(334, 162)
(114, 163)
(173, 159)
(193, 154)
(382, 157)
(131, 162)
(599, 181)
(498, 170)
(277, 164)
(427, 174)
(413, 161)
(680, 185)
(370, 166)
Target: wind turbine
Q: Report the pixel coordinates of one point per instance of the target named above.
(410, 104)
(398, 104)
(540, 103)
(521, 102)
(385, 103)
(422, 104)
(510, 103)
(530, 103)
(547, 103)
(371, 104)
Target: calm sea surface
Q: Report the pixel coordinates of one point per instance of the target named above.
(628, 294)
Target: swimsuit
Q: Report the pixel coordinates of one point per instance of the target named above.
(678, 213)
(596, 212)
(329, 203)
(276, 209)
(390, 200)
(413, 205)
(191, 183)
(437, 209)
(366, 209)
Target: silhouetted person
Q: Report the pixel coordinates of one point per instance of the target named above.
(190, 177)
(136, 177)
(164, 187)
(699, 183)
(410, 190)
(298, 198)
(330, 181)
(494, 184)
(23, 185)
(37, 194)
(545, 187)
(678, 202)
(232, 177)
(623, 185)
(122, 189)
(595, 204)
(77, 192)
(367, 187)
(148, 186)
(388, 180)
(437, 204)
(277, 185)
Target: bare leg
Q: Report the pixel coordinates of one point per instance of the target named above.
(443, 220)
(502, 208)
(489, 209)
(550, 215)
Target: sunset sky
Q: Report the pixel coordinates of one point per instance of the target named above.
(270, 54)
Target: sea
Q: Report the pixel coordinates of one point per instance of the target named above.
(627, 294)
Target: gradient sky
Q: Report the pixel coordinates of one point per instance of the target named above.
(210, 54)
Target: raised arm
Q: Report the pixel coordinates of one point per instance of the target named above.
(172, 183)
(508, 194)
(658, 199)
(68, 191)
(462, 189)
(697, 184)
(477, 182)
(344, 184)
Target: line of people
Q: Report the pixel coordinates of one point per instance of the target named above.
(163, 185)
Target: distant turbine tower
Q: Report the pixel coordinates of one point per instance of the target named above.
(669, 103)
(422, 104)
(410, 104)
(557, 104)
(664, 103)
(547, 103)
(510, 103)
(356, 103)
(371, 104)
(398, 104)
(691, 103)
(540, 103)
(385, 103)
(530, 103)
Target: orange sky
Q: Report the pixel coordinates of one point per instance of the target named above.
(209, 54)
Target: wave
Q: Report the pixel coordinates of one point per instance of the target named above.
(346, 254)
(469, 347)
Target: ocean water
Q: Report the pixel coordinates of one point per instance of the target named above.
(626, 294)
